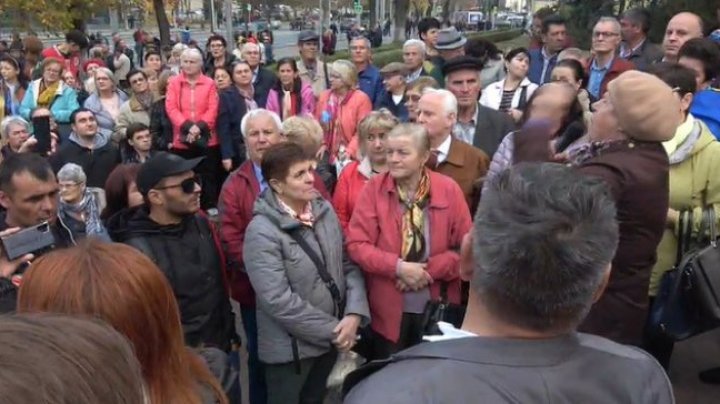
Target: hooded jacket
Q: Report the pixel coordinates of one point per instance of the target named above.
(189, 255)
(97, 163)
(293, 303)
(694, 184)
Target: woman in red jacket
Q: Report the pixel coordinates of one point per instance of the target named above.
(192, 106)
(372, 133)
(405, 233)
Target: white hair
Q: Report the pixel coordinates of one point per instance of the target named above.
(108, 73)
(12, 120)
(416, 43)
(178, 48)
(248, 45)
(192, 53)
(255, 113)
(364, 39)
(612, 20)
(449, 101)
(72, 172)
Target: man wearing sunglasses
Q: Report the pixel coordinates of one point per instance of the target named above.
(171, 230)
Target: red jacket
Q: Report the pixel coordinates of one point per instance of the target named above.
(192, 103)
(374, 243)
(237, 200)
(617, 67)
(347, 192)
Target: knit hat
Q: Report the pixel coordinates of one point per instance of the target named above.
(646, 107)
(96, 62)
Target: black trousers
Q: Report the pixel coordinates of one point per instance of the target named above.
(658, 345)
(411, 332)
(309, 386)
(210, 171)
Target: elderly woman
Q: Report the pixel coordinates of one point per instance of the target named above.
(106, 101)
(12, 86)
(310, 296)
(405, 233)
(222, 78)
(15, 132)
(291, 96)
(192, 106)
(160, 126)
(373, 132)
(512, 93)
(50, 92)
(340, 109)
(173, 62)
(414, 92)
(79, 208)
(137, 108)
(307, 132)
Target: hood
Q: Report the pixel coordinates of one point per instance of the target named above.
(266, 205)
(134, 222)
(706, 138)
(101, 139)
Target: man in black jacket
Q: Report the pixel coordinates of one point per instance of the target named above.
(263, 79)
(89, 148)
(29, 195)
(170, 230)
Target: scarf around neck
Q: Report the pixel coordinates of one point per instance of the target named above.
(47, 94)
(413, 220)
(305, 217)
(87, 209)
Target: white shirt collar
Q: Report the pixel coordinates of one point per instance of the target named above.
(444, 149)
(448, 332)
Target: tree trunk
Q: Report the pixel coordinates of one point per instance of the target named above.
(373, 17)
(162, 22)
(445, 12)
(400, 12)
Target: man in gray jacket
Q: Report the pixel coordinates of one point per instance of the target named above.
(545, 236)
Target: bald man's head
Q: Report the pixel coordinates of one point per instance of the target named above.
(680, 28)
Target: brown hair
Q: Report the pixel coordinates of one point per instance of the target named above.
(116, 188)
(278, 159)
(120, 285)
(163, 79)
(66, 360)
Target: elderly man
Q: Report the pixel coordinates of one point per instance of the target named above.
(680, 28)
(636, 47)
(543, 60)
(369, 79)
(450, 45)
(263, 79)
(519, 342)
(310, 68)
(604, 66)
(476, 125)
(458, 160)
(261, 129)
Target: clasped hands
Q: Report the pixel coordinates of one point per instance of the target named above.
(412, 276)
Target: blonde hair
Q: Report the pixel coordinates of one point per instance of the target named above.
(381, 119)
(347, 72)
(421, 83)
(414, 131)
(305, 132)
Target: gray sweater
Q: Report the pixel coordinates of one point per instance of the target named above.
(292, 300)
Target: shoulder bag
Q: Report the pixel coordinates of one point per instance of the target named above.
(441, 310)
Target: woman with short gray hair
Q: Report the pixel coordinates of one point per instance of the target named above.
(389, 236)
(105, 102)
(79, 208)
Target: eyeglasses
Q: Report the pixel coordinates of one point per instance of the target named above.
(604, 34)
(138, 80)
(68, 185)
(186, 185)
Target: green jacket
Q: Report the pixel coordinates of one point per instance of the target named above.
(694, 183)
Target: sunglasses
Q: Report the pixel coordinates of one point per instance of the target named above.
(186, 185)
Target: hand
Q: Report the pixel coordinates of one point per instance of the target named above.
(346, 332)
(195, 130)
(413, 275)
(227, 164)
(320, 152)
(28, 145)
(53, 143)
(7, 268)
(515, 114)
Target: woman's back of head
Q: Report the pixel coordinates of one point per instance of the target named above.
(123, 287)
(66, 360)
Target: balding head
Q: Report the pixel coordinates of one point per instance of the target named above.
(680, 28)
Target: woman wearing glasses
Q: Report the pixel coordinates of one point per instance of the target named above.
(50, 92)
(79, 208)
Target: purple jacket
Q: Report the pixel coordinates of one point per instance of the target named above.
(306, 94)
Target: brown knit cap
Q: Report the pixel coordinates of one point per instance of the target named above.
(646, 107)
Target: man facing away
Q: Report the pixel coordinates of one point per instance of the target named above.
(518, 343)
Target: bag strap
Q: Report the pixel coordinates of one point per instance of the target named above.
(321, 269)
(523, 98)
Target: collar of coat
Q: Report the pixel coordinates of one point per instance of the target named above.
(438, 200)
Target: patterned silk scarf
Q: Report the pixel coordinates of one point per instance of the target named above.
(413, 221)
(305, 217)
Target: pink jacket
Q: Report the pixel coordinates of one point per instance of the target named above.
(374, 242)
(357, 107)
(306, 94)
(192, 103)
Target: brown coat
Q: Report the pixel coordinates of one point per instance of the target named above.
(637, 175)
(465, 164)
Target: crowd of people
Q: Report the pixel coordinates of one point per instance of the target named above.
(539, 191)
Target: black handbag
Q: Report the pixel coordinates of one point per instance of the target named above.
(688, 302)
(441, 310)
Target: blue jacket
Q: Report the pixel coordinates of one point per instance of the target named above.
(231, 111)
(64, 103)
(370, 82)
(386, 101)
(536, 67)
(705, 108)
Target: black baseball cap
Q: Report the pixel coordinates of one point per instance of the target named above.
(160, 166)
